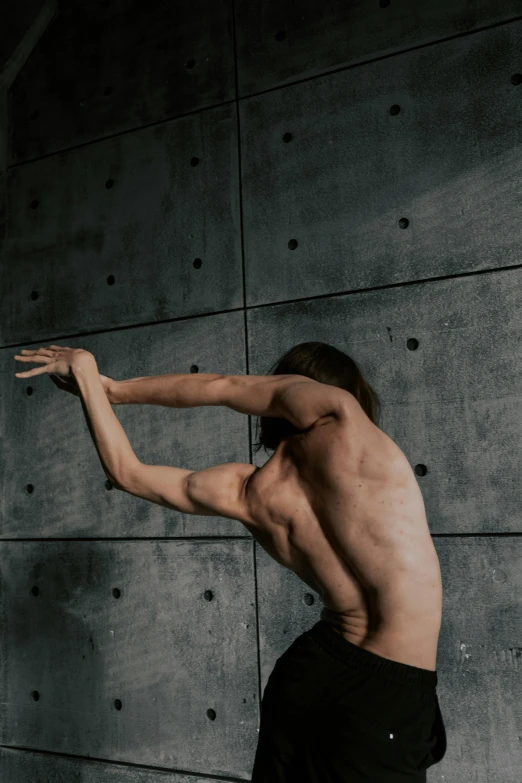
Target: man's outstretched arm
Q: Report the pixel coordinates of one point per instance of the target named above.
(297, 398)
(175, 390)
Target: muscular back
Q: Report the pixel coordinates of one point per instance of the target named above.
(339, 505)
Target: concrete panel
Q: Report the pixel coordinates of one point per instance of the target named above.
(449, 163)
(32, 767)
(281, 621)
(280, 41)
(480, 648)
(446, 359)
(111, 65)
(47, 445)
(135, 651)
(137, 228)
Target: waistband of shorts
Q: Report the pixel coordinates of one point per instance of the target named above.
(347, 652)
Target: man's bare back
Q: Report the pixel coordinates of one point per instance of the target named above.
(340, 506)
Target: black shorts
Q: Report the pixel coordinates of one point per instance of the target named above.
(335, 713)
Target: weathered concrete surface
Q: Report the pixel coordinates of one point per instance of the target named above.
(32, 767)
(46, 442)
(105, 67)
(332, 34)
(177, 641)
(449, 162)
(134, 207)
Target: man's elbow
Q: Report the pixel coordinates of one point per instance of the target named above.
(113, 483)
(124, 477)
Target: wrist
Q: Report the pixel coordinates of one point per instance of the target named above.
(83, 363)
(112, 392)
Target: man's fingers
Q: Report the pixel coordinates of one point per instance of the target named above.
(44, 351)
(35, 358)
(30, 373)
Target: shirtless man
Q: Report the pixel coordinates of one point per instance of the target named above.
(353, 699)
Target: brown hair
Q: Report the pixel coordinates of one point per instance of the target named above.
(325, 364)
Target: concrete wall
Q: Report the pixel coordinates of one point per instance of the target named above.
(135, 641)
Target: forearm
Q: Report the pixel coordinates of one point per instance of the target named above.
(174, 390)
(110, 440)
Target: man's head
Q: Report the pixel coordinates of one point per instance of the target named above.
(325, 364)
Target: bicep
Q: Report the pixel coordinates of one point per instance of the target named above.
(215, 491)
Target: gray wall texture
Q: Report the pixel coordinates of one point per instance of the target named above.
(332, 124)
